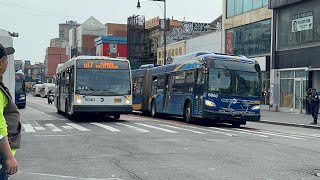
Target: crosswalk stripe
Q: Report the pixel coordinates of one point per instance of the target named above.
(76, 126)
(53, 127)
(273, 134)
(174, 127)
(239, 132)
(67, 127)
(154, 127)
(133, 127)
(209, 130)
(39, 128)
(287, 134)
(28, 128)
(106, 127)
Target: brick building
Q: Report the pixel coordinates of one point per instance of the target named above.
(114, 29)
(54, 56)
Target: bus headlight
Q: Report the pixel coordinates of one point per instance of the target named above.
(128, 101)
(257, 107)
(210, 103)
(78, 100)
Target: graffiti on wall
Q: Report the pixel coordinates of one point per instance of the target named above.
(187, 30)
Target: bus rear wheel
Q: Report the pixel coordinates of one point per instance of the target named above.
(117, 116)
(187, 113)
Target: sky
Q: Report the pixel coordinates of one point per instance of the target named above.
(37, 21)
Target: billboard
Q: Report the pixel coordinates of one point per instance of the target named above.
(302, 21)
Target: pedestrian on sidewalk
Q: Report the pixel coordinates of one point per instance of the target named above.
(10, 126)
(314, 104)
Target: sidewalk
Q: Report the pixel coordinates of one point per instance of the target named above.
(289, 119)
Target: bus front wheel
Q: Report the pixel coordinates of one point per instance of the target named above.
(187, 113)
(153, 109)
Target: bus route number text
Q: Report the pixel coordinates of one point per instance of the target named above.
(102, 65)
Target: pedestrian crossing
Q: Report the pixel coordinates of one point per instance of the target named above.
(118, 127)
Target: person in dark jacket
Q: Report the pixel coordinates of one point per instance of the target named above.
(314, 104)
(10, 126)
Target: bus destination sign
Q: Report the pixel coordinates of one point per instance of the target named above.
(102, 64)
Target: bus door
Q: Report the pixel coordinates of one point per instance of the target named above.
(198, 92)
(168, 91)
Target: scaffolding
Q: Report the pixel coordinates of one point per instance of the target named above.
(136, 40)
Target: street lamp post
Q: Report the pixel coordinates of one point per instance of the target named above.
(164, 27)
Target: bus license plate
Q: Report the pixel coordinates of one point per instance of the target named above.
(117, 100)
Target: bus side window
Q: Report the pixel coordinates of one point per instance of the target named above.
(200, 78)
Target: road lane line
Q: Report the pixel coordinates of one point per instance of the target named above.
(239, 132)
(273, 134)
(28, 128)
(133, 127)
(174, 127)
(287, 134)
(106, 127)
(67, 127)
(39, 128)
(158, 128)
(76, 126)
(53, 127)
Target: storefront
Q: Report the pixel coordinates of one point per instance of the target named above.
(296, 53)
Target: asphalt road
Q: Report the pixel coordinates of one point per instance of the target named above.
(139, 147)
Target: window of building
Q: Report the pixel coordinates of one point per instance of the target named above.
(286, 93)
(230, 8)
(299, 26)
(247, 5)
(249, 40)
(237, 7)
(265, 76)
(257, 4)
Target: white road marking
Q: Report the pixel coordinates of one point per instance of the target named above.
(158, 128)
(106, 127)
(133, 127)
(273, 134)
(39, 128)
(67, 177)
(209, 130)
(53, 127)
(174, 127)
(28, 128)
(239, 132)
(67, 127)
(76, 126)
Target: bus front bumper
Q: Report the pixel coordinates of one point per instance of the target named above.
(227, 116)
(103, 109)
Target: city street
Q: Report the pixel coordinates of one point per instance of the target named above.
(138, 147)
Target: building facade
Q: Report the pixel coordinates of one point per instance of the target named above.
(114, 29)
(295, 53)
(111, 46)
(54, 56)
(247, 30)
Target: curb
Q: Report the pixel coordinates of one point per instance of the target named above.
(289, 124)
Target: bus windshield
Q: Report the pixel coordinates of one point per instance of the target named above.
(103, 82)
(234, 82)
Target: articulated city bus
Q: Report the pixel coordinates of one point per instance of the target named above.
(95, 85)
(219, 87)
(20, 90)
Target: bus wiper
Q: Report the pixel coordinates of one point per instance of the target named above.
(93, 92)
(115, 93)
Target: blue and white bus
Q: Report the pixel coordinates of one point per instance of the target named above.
(94, 85)
(20, 90)
(219, 87)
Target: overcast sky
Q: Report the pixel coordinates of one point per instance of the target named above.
(37, 21)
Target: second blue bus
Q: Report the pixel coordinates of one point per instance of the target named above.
(219, 87)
